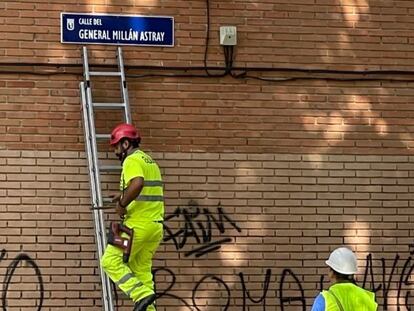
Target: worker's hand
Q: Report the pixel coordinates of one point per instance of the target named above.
(121, 211)
(114, 197)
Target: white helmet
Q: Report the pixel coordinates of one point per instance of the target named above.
(343, 260)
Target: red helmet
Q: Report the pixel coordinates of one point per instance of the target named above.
(123, 130)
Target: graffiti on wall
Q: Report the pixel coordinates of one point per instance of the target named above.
(198, 225)
(404, 278)
(10, 272)
(289, 291)
(286, 297)
(284, 289)
(287, 285)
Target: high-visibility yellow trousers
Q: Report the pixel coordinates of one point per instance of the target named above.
(135, 278)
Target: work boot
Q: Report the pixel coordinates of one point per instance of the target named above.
(142, 304)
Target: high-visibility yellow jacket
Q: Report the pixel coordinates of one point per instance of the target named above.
(350, 296)
(149, 205)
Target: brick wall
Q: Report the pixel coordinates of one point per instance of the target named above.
(278, 214)
(275, 173)
(338, 34)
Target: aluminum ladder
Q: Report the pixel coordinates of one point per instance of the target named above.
(94, 167)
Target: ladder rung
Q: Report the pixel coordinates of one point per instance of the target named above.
(103, 136)
(105, 73)
(107, 200)
(108, 105)
(109, 168)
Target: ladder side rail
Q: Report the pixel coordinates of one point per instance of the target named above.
(86, 70)
(92, 177)
(98, 199)
(127, 110)
(93, 159)
(95, 192)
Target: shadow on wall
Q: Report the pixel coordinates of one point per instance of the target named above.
(299, 207)
(321, 201)
(280, 218)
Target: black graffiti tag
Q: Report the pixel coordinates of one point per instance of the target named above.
(223, 290)
(404, 280)
(289, 299)
(11, 269)
(219, 282)
(291, 293)
(166, 292)
(199, 224)
(247, 294)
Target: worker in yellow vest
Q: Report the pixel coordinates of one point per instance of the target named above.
(140, 204)
(344, 294)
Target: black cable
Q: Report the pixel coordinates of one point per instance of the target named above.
(228, 51)
(197, 68)
(220, 75)
(40, 73)
(228, 62)
(231, 56)
(242, 75)
(270, 79)
(172, 75)
(236, 76)
(227, 70)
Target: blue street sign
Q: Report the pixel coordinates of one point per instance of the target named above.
(85, 28)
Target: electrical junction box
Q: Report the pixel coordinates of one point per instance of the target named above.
(228, 35)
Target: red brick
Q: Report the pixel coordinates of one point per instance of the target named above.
(302, 166)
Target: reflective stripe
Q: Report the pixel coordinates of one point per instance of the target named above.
(139, 284)
(153, 183)
(125, 278)
(150, 198)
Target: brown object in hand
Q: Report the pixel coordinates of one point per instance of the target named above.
(115, 238)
